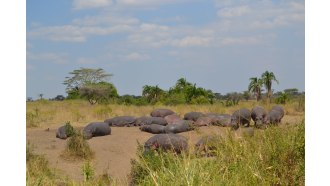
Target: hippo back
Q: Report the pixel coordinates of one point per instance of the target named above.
(193, 116)
(167, 142)
(153, 128)
(96, 129)
(161, 112)
(121, 121)
(240, 117)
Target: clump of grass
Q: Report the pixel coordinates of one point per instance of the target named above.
(87, 171)
(77, 147)
(274, 156)
(69, 130)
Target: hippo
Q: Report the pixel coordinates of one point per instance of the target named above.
(181, 126)
(166, 142)
(240, 117)
(146, 120)
(193, 116)
(258, 115)
(96, 129)
(279, 108)
(63, 132)
(121, 121)
(204, 121)
(273, 117)
(161, 113)
(207, 145)
(153, 128)
(220, 119)
(173, 118)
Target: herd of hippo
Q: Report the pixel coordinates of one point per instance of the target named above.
(165, 124)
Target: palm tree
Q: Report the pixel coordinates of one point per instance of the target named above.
(267, 78)
(152, 93)
(182, 84)
(255, 87)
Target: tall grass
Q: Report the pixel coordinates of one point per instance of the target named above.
(271, 157)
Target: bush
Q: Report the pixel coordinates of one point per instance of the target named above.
(78, 147)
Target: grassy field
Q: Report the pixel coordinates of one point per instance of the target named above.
(271, 157)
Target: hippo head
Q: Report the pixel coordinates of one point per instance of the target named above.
(259, 120)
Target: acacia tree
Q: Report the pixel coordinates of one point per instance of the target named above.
(82, 77)
(268, 78)
(255, 87)
(85, 76)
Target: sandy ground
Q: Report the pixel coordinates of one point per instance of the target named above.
(113, 152)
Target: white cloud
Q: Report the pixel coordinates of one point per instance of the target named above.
(148, 3)
(85, 4)
(135, 56)
(189, 41)
(234, 12)
(57, 58)
(240, 40)
(72, 33)
(106, 19)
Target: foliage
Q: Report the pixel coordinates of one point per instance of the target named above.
(255, 87)
(283, 98)
(85, 76)
(69, 130)
(98, 92)
(152, 93)
(268, 78)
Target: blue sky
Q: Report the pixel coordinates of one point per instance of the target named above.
(216, 44)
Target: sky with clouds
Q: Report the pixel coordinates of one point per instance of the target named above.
(217, 44)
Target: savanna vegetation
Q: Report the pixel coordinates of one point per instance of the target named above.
(275, 156)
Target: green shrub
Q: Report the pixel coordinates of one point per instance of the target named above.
(78, 147)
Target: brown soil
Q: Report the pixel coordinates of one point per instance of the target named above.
(112, 153)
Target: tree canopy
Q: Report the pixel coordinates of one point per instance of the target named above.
(83, 76)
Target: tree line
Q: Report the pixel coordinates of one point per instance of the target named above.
(94, 86)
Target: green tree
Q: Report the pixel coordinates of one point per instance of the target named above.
(98, 92)
(152, 93)
(85, 76)
(255, 87)
(268, 78)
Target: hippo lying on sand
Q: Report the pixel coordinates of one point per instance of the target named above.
(166, 142)
(173, 118)
(153, 128)
(146, 120)
(64, 131)
(181, 126)
(193, 116)
(121, 121)
(96, 129)
(161, 113)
